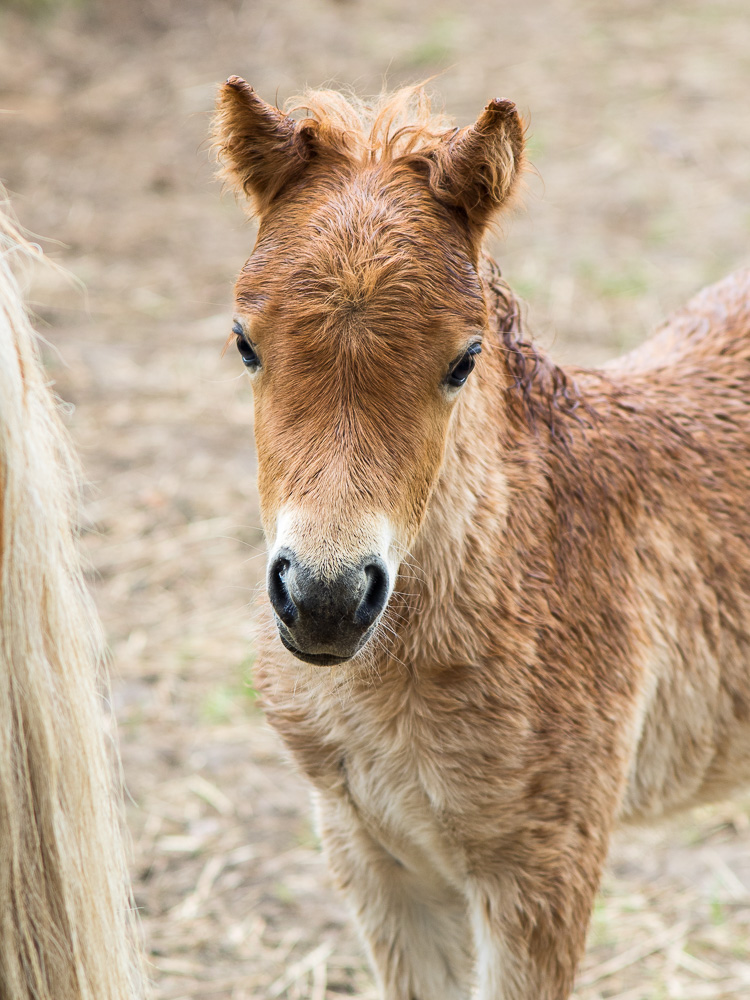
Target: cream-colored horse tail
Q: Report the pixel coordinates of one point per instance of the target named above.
(67, 928)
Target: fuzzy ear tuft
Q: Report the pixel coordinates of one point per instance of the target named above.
(476, 168)
(261, 149)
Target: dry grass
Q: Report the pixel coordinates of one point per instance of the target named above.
(639, 129)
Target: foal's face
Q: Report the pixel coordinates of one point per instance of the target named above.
(359, 317)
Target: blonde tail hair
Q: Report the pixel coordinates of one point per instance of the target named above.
(67, 928)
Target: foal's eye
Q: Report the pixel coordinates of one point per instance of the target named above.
(249, 358)
(464, 366)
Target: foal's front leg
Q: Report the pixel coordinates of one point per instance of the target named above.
(414, 923)
(529, 918)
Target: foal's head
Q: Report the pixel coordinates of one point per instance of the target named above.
(359, 317)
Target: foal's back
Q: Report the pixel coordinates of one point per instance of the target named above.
(709, 336)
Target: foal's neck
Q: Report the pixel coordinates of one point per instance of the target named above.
(488, 518)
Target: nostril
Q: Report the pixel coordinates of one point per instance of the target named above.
(278, 591)
(375, 595)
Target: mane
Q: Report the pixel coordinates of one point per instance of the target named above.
(392, 125)
(66, 925)
(542, 391)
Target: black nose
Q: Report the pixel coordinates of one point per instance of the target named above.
(278, 591)
(324, 619)
(375, 595)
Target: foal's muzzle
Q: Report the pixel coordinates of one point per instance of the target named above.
(321, 620)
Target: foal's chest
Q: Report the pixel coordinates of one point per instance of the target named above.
(432, 768)
(395, 775)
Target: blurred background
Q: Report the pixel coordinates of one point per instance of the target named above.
(640, 139)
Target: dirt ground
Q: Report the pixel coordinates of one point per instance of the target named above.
(640, 137)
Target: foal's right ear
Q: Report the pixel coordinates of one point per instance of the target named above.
(260, 148)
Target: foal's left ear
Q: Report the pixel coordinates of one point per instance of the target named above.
(260, 148)
(477, 168)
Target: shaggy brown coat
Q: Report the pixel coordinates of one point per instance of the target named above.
(567, 645)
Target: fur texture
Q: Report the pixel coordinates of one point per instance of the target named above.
(567, 645)
(66, 925)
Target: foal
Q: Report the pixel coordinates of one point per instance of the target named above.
(511, 601)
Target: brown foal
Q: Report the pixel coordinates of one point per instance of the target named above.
(509, 603)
